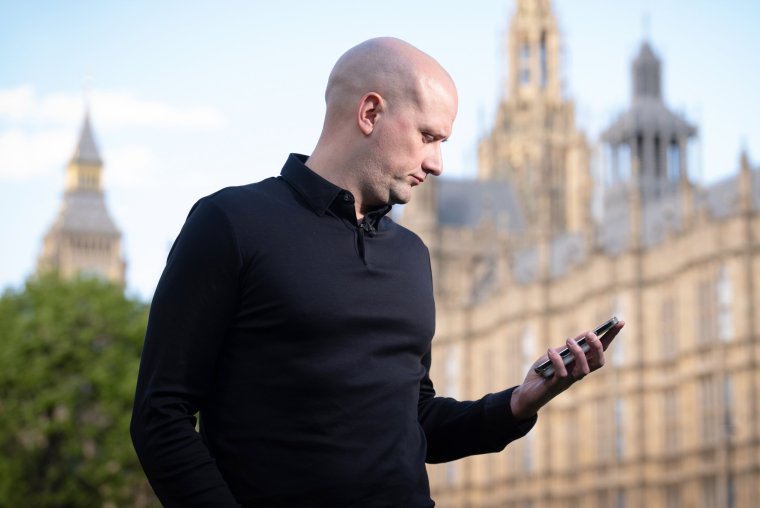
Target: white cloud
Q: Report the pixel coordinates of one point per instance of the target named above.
(15, 104)
(121, 109)
(134, 166)
(38, 132)
(26, 155)
(110, 109)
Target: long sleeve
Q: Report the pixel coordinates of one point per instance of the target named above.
(456, 429)
(190, 314)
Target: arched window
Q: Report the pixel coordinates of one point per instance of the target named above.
(544, 78)
(674, 161)
(725, 323)
(524, 67)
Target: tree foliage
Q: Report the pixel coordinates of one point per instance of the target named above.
(69, 354)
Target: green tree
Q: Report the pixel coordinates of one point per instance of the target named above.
(69, 354)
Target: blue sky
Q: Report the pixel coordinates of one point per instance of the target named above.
(188, 97)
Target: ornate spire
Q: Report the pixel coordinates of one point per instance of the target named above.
(647, 80)
(86, 151)
(534, 53)
(648, 115)
(84, 237)
(540, 7)
(744, 161)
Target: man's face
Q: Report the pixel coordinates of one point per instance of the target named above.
(408, 143)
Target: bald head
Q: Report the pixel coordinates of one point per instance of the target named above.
(390, 67)
(389, 108)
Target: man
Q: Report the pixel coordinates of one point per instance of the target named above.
(297, 319)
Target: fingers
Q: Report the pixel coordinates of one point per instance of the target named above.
(560, 370)
(607, 338)
(580, 367)
(595, 353)
(583, 360)
(572, 366)
(580, 360)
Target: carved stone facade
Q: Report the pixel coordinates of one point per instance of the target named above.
(83, 237)
(520, 263)
(534, 142)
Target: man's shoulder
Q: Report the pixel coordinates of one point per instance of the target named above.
(244, 194)
(409, 237)
(245, 206)
(263, 196)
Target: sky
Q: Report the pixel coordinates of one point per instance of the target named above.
(187, 97)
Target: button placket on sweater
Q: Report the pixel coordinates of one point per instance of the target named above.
(347, 212)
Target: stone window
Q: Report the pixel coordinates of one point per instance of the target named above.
(725, 323)
(524, 63)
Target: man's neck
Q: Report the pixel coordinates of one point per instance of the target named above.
(334, 173)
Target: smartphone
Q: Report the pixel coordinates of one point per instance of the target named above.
(546, 369)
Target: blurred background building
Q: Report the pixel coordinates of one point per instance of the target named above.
(537, 248)
(83, 238)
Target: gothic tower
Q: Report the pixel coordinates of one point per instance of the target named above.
(83, 237)
(648, 141)
(648, 189)
(534, 142)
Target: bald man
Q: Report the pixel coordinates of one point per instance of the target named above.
(296, 318)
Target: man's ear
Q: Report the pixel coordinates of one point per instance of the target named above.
(369, 111)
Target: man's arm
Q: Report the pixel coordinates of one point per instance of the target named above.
(456, 429)
(189, 317)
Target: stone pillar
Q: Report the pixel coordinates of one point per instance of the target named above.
(745, 183)
(635, 165)
(613, 172)
(663, 159)
(683, 145)
(647, 168)
(635, 191)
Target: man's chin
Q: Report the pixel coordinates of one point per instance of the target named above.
(400, 198)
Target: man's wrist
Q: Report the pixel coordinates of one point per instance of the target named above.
(519, 411)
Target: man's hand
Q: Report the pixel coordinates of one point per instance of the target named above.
(536, 391)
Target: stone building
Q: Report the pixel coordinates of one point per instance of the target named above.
(83, 237)
(520, 262)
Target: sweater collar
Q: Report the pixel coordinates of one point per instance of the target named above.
(318, 192)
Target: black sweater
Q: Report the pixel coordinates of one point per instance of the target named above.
(303, 340)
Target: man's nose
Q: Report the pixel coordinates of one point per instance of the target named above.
(433, 163)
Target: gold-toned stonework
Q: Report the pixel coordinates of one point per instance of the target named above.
(536, 249)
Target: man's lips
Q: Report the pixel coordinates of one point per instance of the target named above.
(418, 180)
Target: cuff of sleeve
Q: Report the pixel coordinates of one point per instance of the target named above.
(499, 417)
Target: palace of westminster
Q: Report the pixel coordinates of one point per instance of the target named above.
(520, 262)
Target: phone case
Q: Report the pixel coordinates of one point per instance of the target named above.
(546, 369)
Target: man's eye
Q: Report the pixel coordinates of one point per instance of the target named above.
(428, 138)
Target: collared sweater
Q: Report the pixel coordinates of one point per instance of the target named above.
(301, 338)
